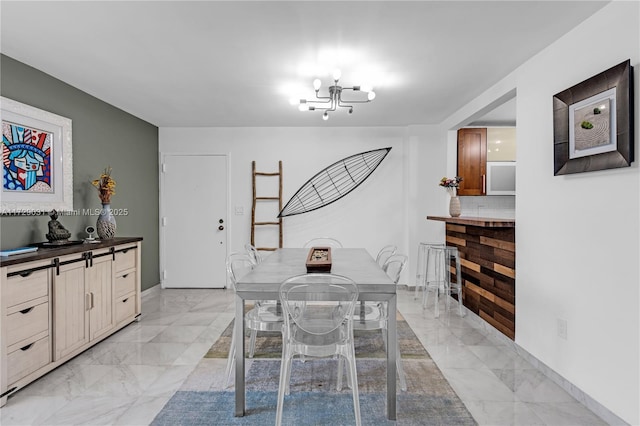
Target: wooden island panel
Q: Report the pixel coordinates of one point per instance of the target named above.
(488, 262)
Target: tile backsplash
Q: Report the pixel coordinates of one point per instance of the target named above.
(497, 206)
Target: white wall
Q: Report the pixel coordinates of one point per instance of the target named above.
(428, 152)
(577, 236)
(372, 216)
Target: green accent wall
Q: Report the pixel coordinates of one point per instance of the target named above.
(103, 135)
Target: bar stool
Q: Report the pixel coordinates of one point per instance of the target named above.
(442, 255)
(424, 267)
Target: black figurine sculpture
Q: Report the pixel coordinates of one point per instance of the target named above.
(57, 232)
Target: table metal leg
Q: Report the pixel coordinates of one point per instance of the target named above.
(392, 338)
(239, 361)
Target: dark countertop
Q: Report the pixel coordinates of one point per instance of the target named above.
(485, 222)
(49, 252)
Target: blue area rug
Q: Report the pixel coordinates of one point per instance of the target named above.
(307, 408)
(205, 399)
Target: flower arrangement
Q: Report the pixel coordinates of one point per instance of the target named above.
(106, 186)
(451, 184)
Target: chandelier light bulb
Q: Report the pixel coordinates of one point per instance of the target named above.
(325, 116)
(303, 107)
(371, 95)
(366, 88)
(316, 84)
(337, 74)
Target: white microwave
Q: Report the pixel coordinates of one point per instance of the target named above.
(501, 178)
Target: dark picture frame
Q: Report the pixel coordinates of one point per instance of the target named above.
(593, 123)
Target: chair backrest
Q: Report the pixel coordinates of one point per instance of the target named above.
(394, 266)
(319, 304)
(238, 264)
(323, 242)
(385, 253)
(254, 254)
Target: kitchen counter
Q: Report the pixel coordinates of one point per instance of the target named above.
(486, 222)
(487, 248)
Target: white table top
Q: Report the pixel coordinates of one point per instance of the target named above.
(354, 263)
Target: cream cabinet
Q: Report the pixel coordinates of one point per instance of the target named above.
(83, 302)
(26, 327)
(56, 303)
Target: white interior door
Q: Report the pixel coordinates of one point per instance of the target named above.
(193, 221)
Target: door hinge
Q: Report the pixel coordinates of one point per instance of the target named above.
(164, 221)
(164, 167)
(164, 274)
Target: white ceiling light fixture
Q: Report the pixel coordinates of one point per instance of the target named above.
(334, 100)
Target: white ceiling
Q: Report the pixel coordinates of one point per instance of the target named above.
(215, 63)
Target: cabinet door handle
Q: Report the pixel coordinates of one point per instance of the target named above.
(125, 300)
(92, 305)
(125, 275)
(484, 184)
(26, 348)
(26, 311)
(87, 301)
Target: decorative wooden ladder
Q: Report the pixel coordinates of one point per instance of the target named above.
(277, 222)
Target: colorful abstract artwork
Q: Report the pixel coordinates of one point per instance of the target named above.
(26, 158)
(37, 160)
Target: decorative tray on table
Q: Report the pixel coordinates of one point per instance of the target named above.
(319, 259)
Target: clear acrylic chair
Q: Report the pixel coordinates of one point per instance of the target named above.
(264, 316)
(384, 254)
(424, 267)
(375, 315)
(254, 254)
(323, 242)
(442, 256)
(318, 323)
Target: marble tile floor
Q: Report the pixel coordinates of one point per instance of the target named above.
(127, 378)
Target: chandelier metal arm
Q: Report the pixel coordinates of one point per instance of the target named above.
(355, 89)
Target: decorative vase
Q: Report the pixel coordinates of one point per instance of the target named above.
(454, 206)
(106, 223)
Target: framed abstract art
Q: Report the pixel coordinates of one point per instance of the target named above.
(37, 173)
(593, 123)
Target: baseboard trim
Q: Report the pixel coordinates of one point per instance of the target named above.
(150, 292)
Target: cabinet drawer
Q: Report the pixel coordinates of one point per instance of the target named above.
(26, 323)
(125, 307)
(22, 362)
(125, 283)
(22, 289)
(126, 259)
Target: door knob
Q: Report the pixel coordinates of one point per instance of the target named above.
(220, 228)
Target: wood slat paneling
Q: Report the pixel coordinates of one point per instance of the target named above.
(487, 258)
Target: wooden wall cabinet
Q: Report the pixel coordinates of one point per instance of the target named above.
(472, 161)
(56, 303)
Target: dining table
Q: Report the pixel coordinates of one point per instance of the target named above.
(263, 283)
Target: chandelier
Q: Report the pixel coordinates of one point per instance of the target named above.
(334, 100)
